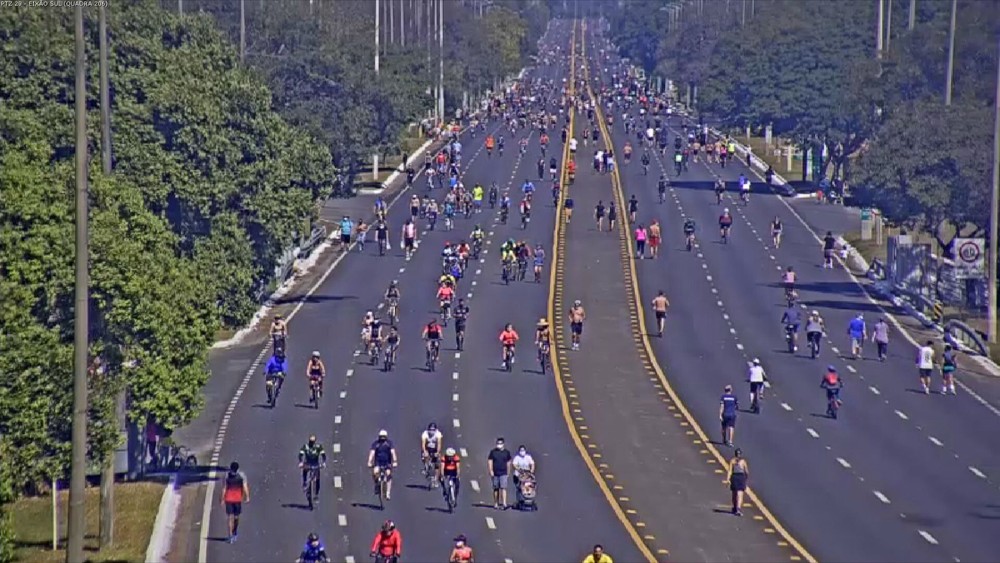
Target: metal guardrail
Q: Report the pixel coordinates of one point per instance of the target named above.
(317, 235)
(961, 335)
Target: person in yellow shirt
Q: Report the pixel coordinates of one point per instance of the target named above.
(598, 556)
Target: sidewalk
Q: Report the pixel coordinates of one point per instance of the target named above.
(673, 491)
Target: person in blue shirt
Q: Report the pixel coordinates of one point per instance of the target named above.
(346, 228)
(858, 332)
(792, 319)
(728, 407)
(313, 552)
(528, 188)
(277, 367)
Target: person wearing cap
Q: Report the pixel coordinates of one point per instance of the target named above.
(728, 407)
(451, 464)
(388, 543)
(311, 456)
(498, 463)
(857, 331)
(316, 370)
(543, 334)
(382, 457)
(756, 377)
(815, 328)
(461, 553)
(576, 317)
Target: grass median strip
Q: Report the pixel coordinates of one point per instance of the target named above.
(136, 505)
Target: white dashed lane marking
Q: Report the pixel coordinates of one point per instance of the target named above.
(875, 390)
(930, 539)
(843, 463)
(902, 415)
(456, 423)
(786, 406)
(338, 483)
(342, 519)
(977, 472)
(454, 397)
(336, 448)
(812, 432)
(935, 441)
(882, 497)
(490, 523)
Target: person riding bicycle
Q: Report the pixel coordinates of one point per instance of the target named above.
(277, 367)
(450, 468)
(527, 188)
(494, 194)
(832, 384)
(508, 340)
(744, 183)
(720, 187)
(445, 295)
(477, 235)
(430, 444)
(392, 293)
(689, 227)
(314, 551)
(279, 331)
(311, 456)
(461, 553)
(815, 328)
(382, 457)
(447, 279)
(432, 333)
(316, 370)
(788, 279)
(390, 344)
(661, 186)
(447, 254)
(543, 335)
(388, 543)
(725, 222)
(462, 250)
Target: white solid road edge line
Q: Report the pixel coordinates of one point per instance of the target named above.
(163, 527)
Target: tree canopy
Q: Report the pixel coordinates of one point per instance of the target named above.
(809, 70)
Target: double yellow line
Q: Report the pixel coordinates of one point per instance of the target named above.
(636, 299)
(555, 292)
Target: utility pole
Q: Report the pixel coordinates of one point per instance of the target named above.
(441, 60)
(888, 26)
(108, 472)
(402, 23)
(78, 475)
(392, 22)
(743, 18)
(911, 21)
(377, 20)
(180, 7)
(243, 31)
(994, 212)
(881, 29)
(951, 53)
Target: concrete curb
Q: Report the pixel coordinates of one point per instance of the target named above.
(163, 527)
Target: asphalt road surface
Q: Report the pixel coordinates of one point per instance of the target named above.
(469, 397)
(900, 476)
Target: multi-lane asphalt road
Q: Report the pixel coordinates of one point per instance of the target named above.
(901, 476)
(468, 396)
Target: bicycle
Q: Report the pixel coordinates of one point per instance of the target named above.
(690, 242)
(508, 357)
(312, 486)
(374, 351)
(524, 221)
(390, 357)
(833, 406)
(663, 196)
(379, 558)
(445, 312)
(756, 394)
(314, 391)
(430, 471)
(393, 311)
(543, 357)
(383, 485)
(725, 234)
(383, 245)
(503, 215)
(477, 247)
(433, 353)
(745, 197)
(506, 273)
(450, 493)
(522, 269)
(272, 385)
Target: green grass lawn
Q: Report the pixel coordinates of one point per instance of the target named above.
(136, 505)
(777, 161)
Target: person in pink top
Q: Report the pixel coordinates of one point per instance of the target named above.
(640, 241)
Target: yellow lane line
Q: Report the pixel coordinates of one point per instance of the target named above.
(635, 296)
(555, 283)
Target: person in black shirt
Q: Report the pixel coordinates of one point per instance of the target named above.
(382, 236)
(829, 245)
(461, 315)
(633, 207)
(498, 464)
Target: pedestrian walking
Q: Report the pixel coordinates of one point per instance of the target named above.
(612, 216)
(660, 305)
(498, 463)
(880, 336)
(654, 238)
(729, 405)
(599, 212)
(857, 331)
(925, 365)
(640, 241)
(576, 317)
(235, 492)
(949, 364)
(739, 474)
(633, 207)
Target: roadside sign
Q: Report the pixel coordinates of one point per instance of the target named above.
(970, 258)
(866, 213)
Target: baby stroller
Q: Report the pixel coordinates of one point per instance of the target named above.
(526, 491)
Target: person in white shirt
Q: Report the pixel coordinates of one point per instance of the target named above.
(522, 462)
(756, 377)
(572, 145)
(431, 442)
(925, 365)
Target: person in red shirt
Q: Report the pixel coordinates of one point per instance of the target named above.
(508, 338)
(388, 543)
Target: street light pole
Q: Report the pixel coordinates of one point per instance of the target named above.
(951, 53)
(881, 29)
(911, 20)
(441, 60)
(78, 475)
(994, 211)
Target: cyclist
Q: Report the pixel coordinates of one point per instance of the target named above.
(744, 183)
(788, 279)
(791, 319)
(447, 279)
(463, 251)
(477, 235)
(445, 294)
(277, 367)
(832, 384)
(315, 370)
(528, 188)
(313, 552)
(493, 195)
(776, 232)
(461, 315)
(720, 188)
(432, 334)
(508, 340)
(366, 325)
(311, 456)
(382, 457)
(461, 553)
(689, 229)
(725, 223)
(450, 468)
(543, 335)
(756, 378)
(815, 328)
(430, 444)
(390, 344)
(279, 331)
(392, 295)
(388, 543)
(490, 142)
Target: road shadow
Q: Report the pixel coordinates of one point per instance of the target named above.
(820, 415)
(420, 487)
(263, 406)
(296, 506)
(482, 505)
(367, 505)
(298, 296)
(305, 406)
(437, 509)
(864, 307)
